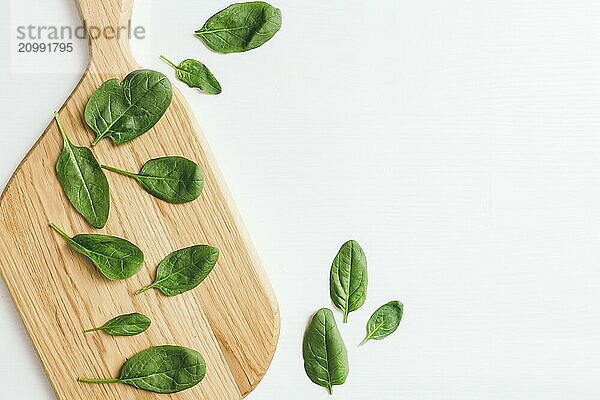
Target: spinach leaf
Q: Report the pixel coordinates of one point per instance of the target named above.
(241, 27)
(384, 321)
(114, 257)
(160, 369)
(172, 179)
(324, 351)
(183, 270)
(125, 325)
(83, 181)
(196, 75)
(348, 280)
(124, 111)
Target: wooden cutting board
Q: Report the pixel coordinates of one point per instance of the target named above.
(231, 318)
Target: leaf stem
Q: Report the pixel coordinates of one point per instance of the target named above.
(91, 380)
(92, 330)
(169, 62)
(97, 140)
(330, 390)
(365, 341)
(60, 231)
(346, 316)
(61, 128)
(144, 289)
(119, 171)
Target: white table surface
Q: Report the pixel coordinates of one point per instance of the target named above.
(457, 141)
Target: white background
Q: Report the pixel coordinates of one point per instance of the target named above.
(457, 141)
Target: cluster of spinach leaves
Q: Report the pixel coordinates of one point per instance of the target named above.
(118, 259)
(122, 111)
(161, 369)
(323, 348)
(173, 179)
(238, 28)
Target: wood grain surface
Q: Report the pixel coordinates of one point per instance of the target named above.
(232, 318)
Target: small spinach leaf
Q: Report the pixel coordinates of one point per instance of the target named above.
(160, 369)
(83, 181)
(173, 179)
(384, 321)
(348, 280)
(124, 111)
(114, 257)
(125, 325)
(195, 75)
(183, 270)
(324, 351)
(241, 27)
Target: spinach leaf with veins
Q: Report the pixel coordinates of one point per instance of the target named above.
(324, 351)
(384, 321)
(160, 369)
(183, 270)
(348, 279)
(241, 27)
(124, 325)
(195, 75)
(124, 110)
(83, 181)
(114, 257)
(173, 179)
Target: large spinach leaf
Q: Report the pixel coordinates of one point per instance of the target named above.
(324, 351)
(348, 279)
(160, 369)
(173, 179)
(114, 257)
(241, 27)
(83, 181)
(124, 111)
(183, 270)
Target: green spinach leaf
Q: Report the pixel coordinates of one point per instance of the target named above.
(324, 351)
(114, 257)
(124, 325)
(83, 181)
(173, 179)
(195, 75)
(124, 111)
(241, 27)
(384, 321)
(160, 369)
(348, 280)
(183, 270)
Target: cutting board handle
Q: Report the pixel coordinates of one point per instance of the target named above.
(107, 23)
